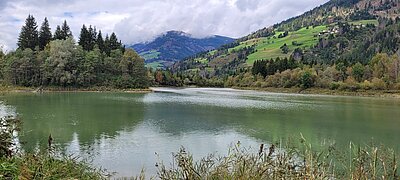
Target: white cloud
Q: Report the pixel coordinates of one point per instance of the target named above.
(142, 20)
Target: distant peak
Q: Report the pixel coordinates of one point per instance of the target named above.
(179, 33)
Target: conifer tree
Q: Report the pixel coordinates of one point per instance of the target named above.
(92, 37)
(66, 31)
(44, 34)
(28, 37)
(58, 34)
(100, 41)
(84, 38)
(107, 45)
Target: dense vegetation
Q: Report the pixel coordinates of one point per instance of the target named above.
(46, 60)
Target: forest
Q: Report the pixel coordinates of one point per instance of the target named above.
(44, 59)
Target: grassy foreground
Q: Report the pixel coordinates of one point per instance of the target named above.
(287, 162)
(46, 166)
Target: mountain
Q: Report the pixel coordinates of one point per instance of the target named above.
(347, 31)
(176, 45)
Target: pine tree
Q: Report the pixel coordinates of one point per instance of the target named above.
(58, 33)
(44, 34)
(100, 42)
(107, 45)
(84, 38)
(28, 38)
(113, 41)
(66, 31)
(92, 37)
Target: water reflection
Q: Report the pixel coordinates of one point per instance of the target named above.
(123, 131)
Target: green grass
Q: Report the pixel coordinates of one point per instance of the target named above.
(365, 22)
(270, 48)
(150, 54)
(201, 60)
(45, 166)
(155, 65)
(212, 52)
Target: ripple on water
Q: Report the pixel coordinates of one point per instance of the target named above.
(226, 98)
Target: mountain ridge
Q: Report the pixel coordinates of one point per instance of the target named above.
(174, 46)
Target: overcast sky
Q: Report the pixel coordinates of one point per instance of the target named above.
(142, 20)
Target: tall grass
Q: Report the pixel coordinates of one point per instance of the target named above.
(47, 164)
(286, 162)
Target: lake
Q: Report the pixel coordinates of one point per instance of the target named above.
(122, 131)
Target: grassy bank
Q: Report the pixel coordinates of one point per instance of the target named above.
(46, 166)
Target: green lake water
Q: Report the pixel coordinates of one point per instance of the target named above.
(122, 132)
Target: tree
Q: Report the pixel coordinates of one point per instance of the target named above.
(58, 34)
(107, 45)
(91, 68)
(358, 71)
(285, 49)
(61, 67)
(28, 37)
(133, 71)
(22, 68)
(65, 30)
(306, 80)
(44, 34)
(100, 41)
(342, 70)
(114, 44)
(84, 38)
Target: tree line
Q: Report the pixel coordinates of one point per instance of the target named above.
(43, 59)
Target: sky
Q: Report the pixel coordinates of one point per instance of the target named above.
(137, 21)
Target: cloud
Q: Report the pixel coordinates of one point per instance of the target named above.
(142, 20)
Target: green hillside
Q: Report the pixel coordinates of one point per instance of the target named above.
(267, 48)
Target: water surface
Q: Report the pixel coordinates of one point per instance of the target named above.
(123, 131)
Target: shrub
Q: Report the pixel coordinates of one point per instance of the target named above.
(335, 85)
(366, 85)
(378, 84)
(351, 84)
(306, 80)
(397, 86)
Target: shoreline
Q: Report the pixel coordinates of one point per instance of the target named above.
(16, 89)
(320, 91)
(310, 91)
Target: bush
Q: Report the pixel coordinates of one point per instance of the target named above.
(351, 84)
(397, 86)
(306, 80)
(366, 85)
(378, 84)
(335, 85)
